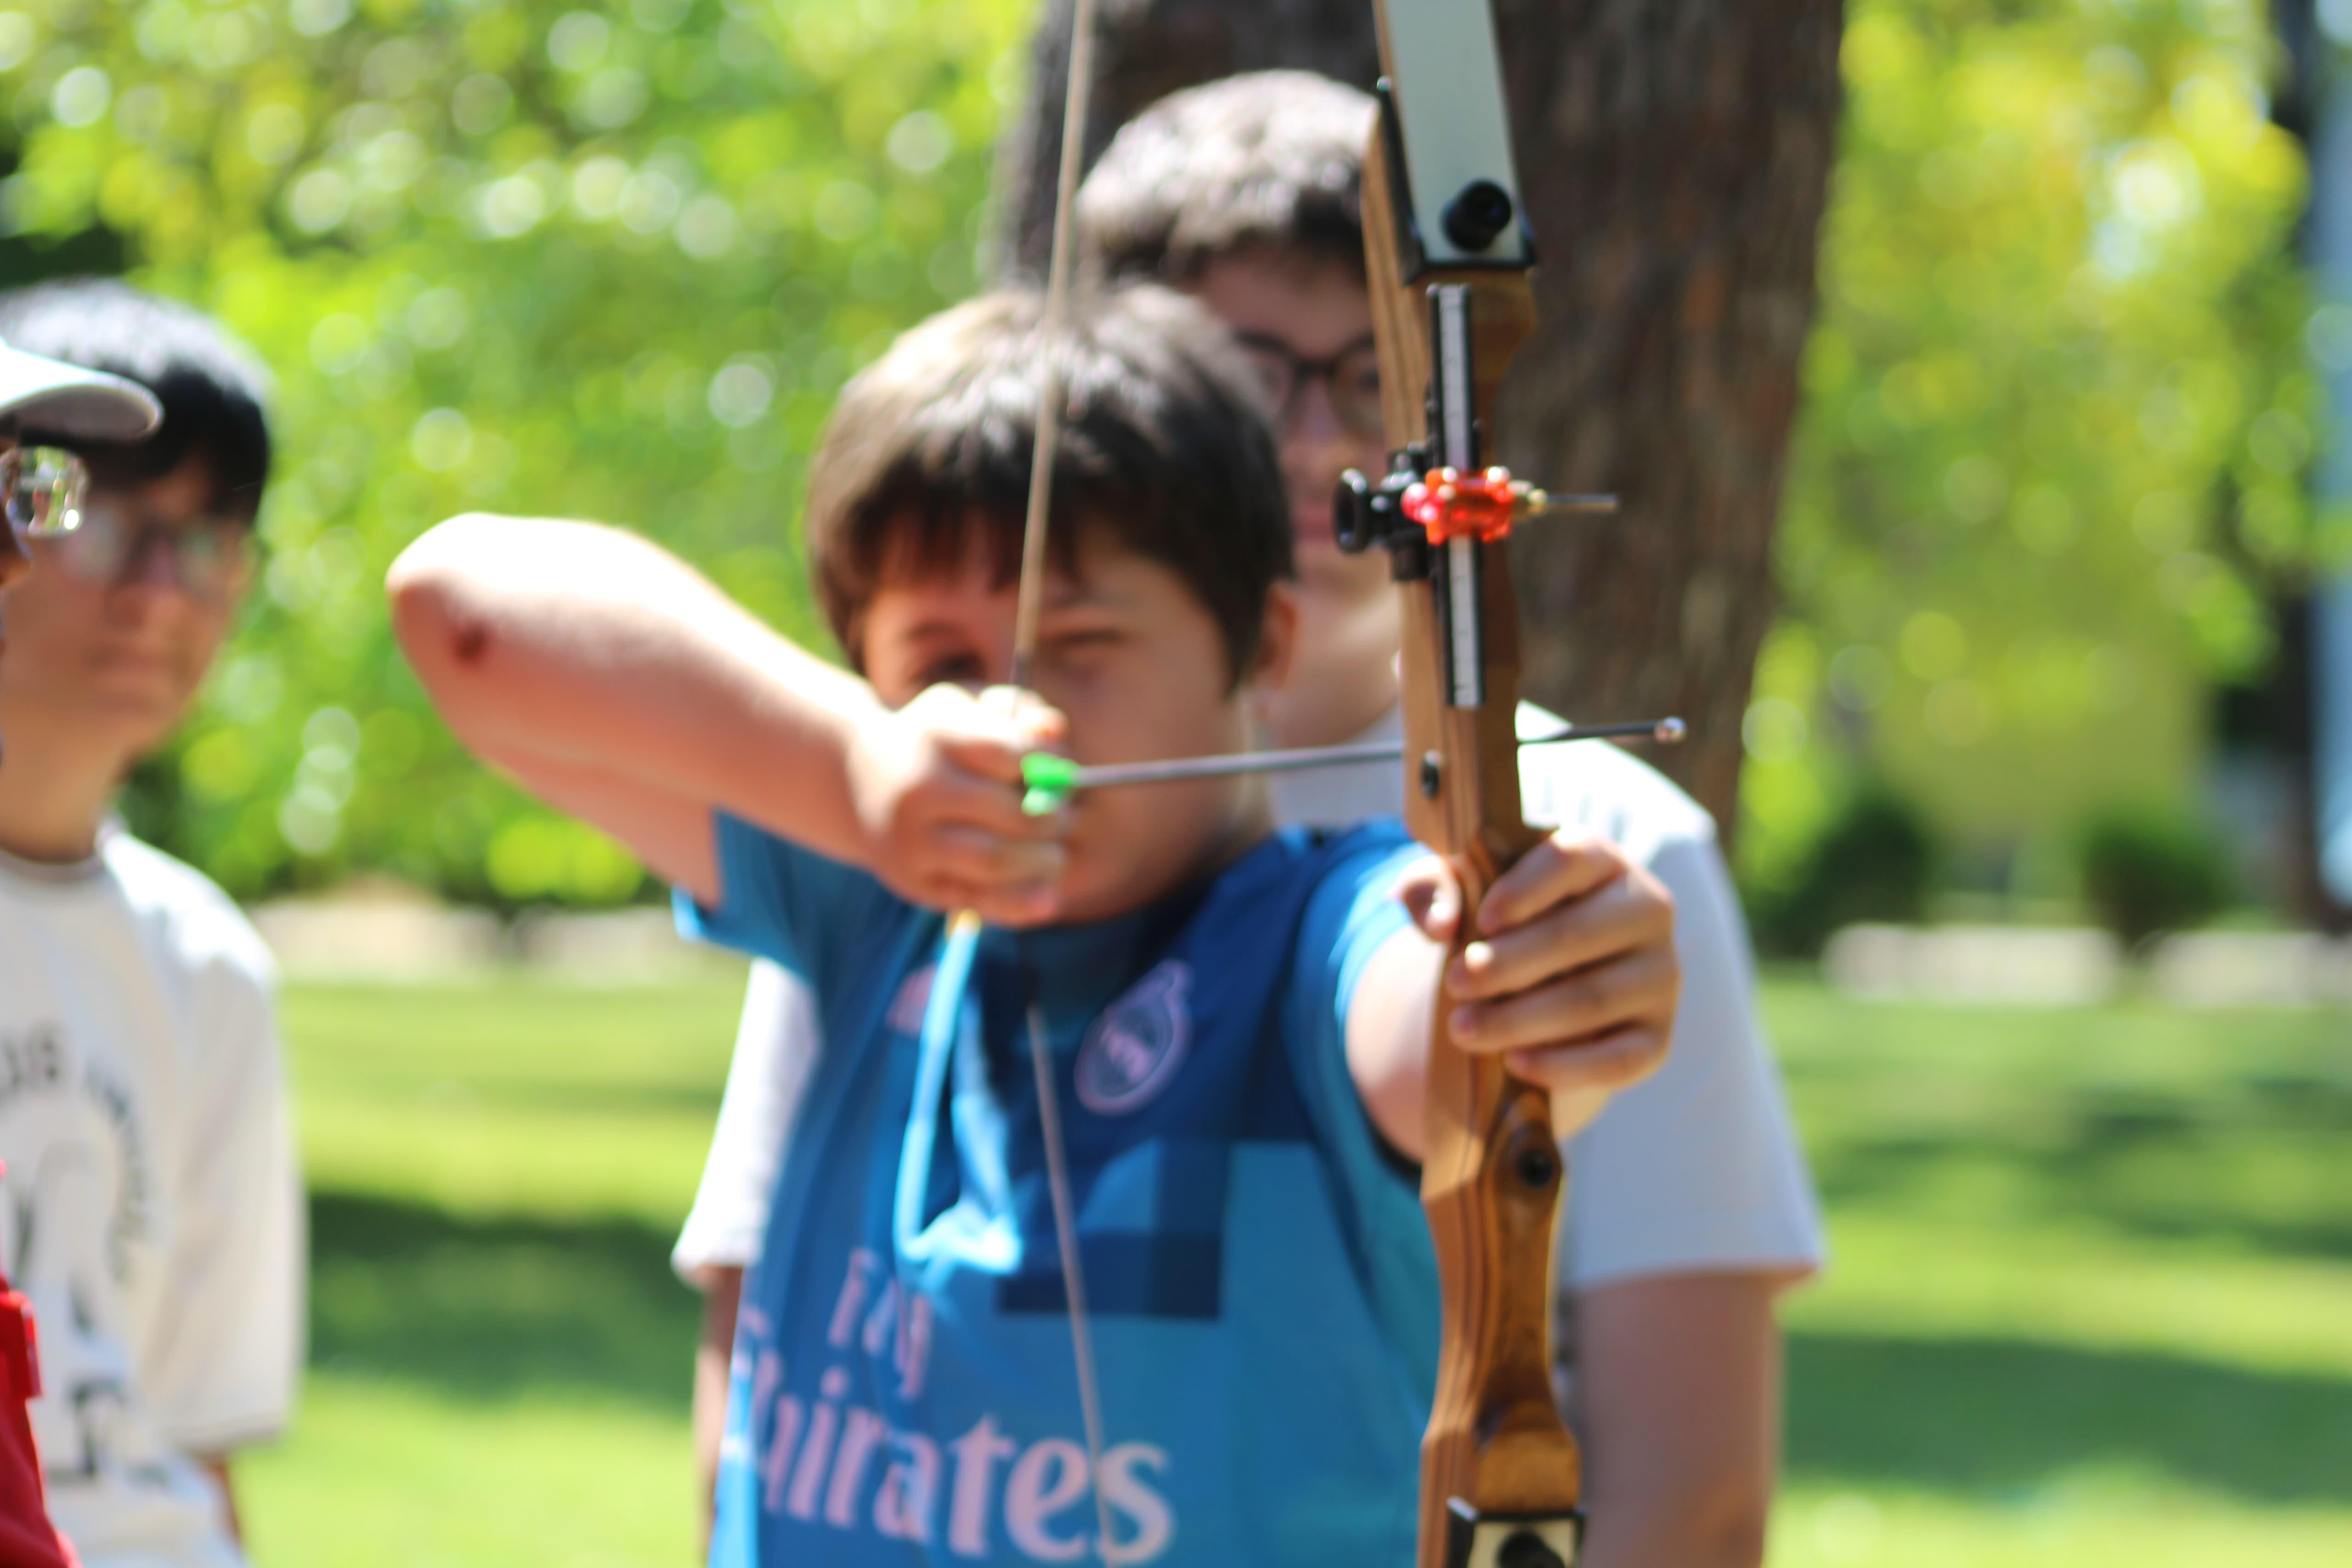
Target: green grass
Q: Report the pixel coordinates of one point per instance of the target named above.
(2091, 1301)
(2092, 1297)
(500, 1352)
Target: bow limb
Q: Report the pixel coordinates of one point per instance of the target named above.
(1447, 262)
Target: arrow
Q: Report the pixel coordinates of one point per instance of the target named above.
(1053, 779)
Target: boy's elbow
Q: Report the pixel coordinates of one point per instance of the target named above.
(1701, 1516)
(428, 589)
(1723, 1523)
(419, 596)
(441, 617)
(1740, 1520)
(437, 560)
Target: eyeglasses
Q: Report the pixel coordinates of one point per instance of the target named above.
(42, 489)
(1351, 377)
(209, 557)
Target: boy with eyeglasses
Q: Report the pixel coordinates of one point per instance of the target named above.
(40, 490)
(152, 1211)
(1689, 1207)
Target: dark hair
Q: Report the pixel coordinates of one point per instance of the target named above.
(210, 385)
(1164, 449)
(1271, 160)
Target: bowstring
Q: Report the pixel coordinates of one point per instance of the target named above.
(1059, 276)
(1060, 269)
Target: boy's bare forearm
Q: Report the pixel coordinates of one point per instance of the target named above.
(722, 1299)
(1389, 1026)
(1678, 1394)
(217, 1466)
(561, 649)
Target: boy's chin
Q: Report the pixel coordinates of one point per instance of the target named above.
(1327, 571)
(133, 714)
(1084, 898)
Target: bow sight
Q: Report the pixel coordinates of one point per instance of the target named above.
(1441, 502)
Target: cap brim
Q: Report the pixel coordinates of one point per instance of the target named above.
(65, 400)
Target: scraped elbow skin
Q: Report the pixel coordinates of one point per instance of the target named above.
(469, 644)
(431, 629)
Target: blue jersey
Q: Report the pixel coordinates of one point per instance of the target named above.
(1261, 1293)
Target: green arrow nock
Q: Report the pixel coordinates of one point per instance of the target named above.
(1051, 780)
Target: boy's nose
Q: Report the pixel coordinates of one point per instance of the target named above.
(1002, 661)
(154, 565)
(152, 583)
(1316, 446)
(1312, 418)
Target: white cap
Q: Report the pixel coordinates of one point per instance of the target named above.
(65, 400)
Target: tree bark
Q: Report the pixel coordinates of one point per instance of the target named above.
(1674, 157)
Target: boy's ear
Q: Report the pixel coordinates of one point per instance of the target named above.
(1278, 641)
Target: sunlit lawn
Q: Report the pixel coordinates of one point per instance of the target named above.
(2092, 1294)
(2091, 1300)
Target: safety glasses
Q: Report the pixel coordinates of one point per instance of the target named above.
(209, 557)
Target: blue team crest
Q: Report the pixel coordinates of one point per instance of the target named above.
(1135, 1047)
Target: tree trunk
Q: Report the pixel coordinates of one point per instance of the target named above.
(2285, 702)
(1674, 156)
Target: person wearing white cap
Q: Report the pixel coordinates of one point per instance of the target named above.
(39, 495)
(41, 487)
(150, 1209)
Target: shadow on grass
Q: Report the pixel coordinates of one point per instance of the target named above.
(2004, 1417)
(494, 1310)
(2165, 1166)
(499, 1310)
(523, 1092)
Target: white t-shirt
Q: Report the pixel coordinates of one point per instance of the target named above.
(151, 1208)
(775, 1047)
(1695, 1170)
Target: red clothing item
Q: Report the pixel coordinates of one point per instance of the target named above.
(27, 1538)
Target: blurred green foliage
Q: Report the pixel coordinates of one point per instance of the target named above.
(1875, 860)
(609, 262)
(614, 262)
(2057, 419)
(2146, 871)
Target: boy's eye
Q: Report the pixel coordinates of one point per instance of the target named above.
(952, 669)
(1077, 644)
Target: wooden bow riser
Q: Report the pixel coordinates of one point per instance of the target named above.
(1492, 1182)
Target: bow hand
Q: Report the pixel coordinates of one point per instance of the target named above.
(1569, 969)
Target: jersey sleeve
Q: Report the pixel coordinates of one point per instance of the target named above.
(1353, 914)
(779, 901)
(221, 1366)
(775, 1050)
(1698, 1168)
